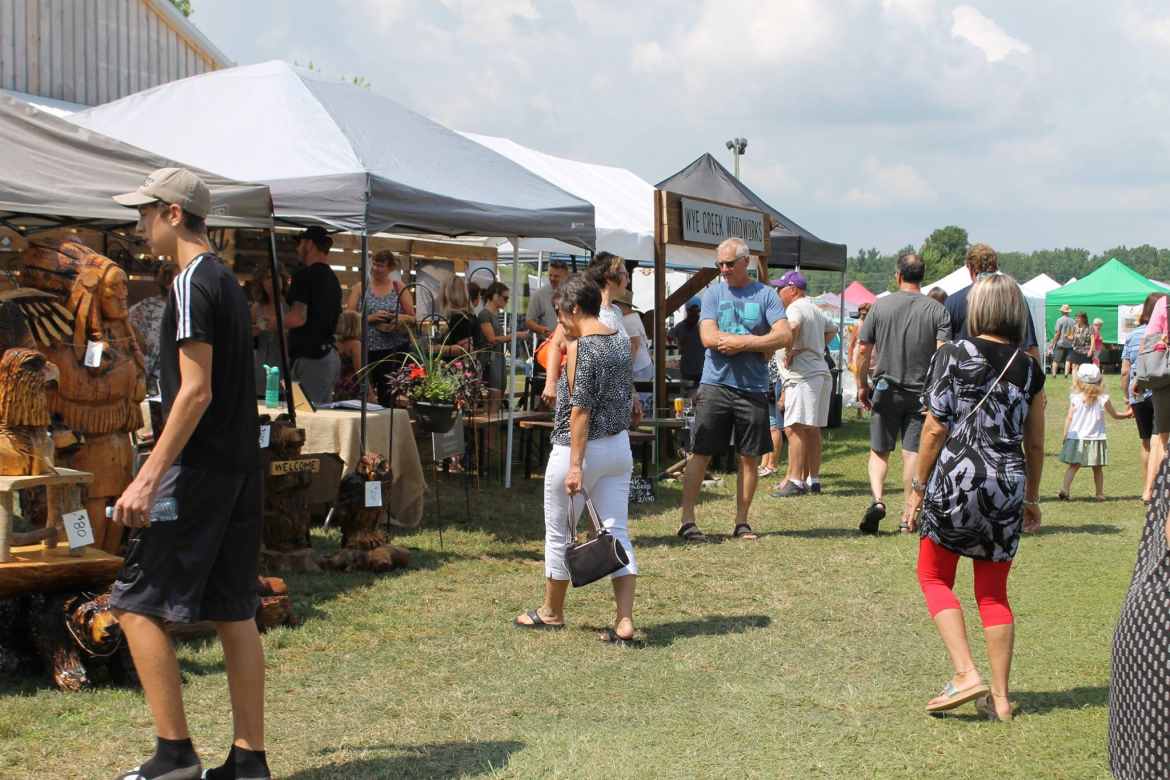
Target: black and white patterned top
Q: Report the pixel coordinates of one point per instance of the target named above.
(974, 498)
(602, 382)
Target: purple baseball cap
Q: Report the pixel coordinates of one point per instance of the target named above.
(794, 278)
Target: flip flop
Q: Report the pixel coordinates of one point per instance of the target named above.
(611, 637)
(873, 516)
(1063, 496)
(905, 527)
(537, 624)
(691, 533)
(957, 698)
(745, 532)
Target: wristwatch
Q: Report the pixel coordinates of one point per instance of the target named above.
(916, 485)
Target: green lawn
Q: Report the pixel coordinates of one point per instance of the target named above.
(808, 653)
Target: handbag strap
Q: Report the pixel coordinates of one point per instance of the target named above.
(589, 510)
(991, 389)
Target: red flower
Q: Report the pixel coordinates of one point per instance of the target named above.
(417, 373)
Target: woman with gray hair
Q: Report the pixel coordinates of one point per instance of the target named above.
(590, 454)
(978, 483)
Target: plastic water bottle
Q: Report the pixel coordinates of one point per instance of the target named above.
(272, 387)
(165, 510)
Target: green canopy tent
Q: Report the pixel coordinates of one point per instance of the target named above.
(1099, 294)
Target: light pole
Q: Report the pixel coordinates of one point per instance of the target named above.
(738, 146)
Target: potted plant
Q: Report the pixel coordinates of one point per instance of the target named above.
(437, 388)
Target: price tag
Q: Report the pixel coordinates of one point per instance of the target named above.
(77, 528)
(374, 494)
(93, 354)
(265, 436)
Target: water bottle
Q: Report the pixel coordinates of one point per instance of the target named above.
(272, 387)
(165, 510)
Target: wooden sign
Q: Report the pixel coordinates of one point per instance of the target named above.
(705, 224)
(279, 467)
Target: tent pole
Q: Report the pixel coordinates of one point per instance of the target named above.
(512, 368)
(841, 328)
(278, 306)
(365, 341)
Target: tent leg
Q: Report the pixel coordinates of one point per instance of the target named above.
(277, 304)
(512, 369)
(366, 346)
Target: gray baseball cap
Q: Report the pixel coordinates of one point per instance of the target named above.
(171, 185)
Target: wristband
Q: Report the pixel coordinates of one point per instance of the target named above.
(1031, 503)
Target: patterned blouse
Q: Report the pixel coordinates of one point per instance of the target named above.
(602, 382)
(973, 503)
(389, 302)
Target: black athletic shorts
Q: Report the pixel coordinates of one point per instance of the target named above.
(721, 411)
(203, 566)
(1143, 414)
(895, 412)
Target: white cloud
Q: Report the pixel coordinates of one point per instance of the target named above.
(897, 184)
(733, 35)
(985, 34)
(920, 12)
(771, 176)
(1140, 26)
(648, 57)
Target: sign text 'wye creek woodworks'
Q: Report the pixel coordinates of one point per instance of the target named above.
(708, 223)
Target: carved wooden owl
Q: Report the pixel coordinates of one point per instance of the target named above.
(359, 523)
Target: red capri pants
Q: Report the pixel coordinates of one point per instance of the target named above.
(936, 575)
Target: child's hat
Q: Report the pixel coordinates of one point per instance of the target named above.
(1089, 373)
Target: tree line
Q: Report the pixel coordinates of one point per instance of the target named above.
(945, 249)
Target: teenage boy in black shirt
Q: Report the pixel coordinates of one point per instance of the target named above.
(204, 565)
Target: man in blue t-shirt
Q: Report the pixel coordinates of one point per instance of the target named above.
(741, 322)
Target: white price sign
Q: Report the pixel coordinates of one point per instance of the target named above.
(78, 529)
(374, 494)
(265, 436)
(93, 354)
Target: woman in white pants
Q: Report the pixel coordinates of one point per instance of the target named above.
(591, 453)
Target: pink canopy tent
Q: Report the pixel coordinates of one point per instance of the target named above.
(857, 294)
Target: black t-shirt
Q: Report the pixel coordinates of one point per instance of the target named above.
(207, 304)
(461, 327)
(956, 306)
(317, 287)
(998, 355)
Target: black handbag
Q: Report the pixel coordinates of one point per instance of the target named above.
(599, 557)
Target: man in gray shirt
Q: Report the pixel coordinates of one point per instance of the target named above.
(542, 317)
(905, 329)
(1062, 345)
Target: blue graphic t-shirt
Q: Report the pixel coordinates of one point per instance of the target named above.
(750, 311)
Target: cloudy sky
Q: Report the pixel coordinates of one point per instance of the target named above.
(1035, 123)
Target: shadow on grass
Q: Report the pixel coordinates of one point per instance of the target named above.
(1043, 702)
(1097, 529)
(666, 634)
(444, 760)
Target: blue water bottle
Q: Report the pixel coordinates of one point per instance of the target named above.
(272, 387)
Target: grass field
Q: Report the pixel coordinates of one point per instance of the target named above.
(806, 654)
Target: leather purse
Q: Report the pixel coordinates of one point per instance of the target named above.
(542, 351)
(599, 557)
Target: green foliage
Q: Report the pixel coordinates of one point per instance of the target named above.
(184, 6)
(357, 81)
(943, 251)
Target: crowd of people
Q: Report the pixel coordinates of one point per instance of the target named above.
(958, 382)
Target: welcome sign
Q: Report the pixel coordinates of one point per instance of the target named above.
(711, 223)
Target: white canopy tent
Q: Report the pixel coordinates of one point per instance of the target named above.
(951, 283)
(960, 279)
(344, 156)
(1041, 285)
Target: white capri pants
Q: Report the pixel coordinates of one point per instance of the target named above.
(606, 469)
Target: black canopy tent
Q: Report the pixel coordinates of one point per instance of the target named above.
(792, 245)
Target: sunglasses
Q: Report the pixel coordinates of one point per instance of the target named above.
(727, 263)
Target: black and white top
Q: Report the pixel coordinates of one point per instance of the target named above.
(602, 382)
(207, 304)
(974, 498)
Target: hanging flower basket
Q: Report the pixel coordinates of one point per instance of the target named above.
(435, 418)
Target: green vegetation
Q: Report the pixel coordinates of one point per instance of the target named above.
(807, 654)
(184, 6)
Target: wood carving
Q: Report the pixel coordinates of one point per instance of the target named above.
(88, 304)
(365, 545)
(286, 512)
(25, 446)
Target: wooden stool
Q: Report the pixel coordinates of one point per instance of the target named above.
(55, 485)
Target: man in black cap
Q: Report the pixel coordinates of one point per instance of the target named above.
(315, 300)
(196, 505)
